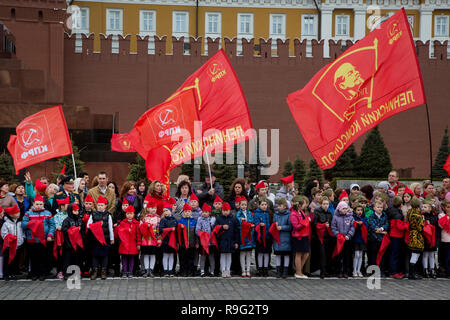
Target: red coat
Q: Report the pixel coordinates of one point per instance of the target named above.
(301, 227)
(129, 236)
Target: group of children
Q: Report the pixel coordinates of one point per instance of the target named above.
(339, 237)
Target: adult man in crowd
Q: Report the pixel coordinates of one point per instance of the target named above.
(207, 194)
(393, 179)
(67, 191)
(103, 190)
(446, 184)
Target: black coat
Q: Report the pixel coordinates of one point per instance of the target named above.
(167, 222)
(71, 221)
(394, 213)
(433, 219)
(230, 237)
(321, 216)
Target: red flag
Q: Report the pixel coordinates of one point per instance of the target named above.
(97, 230)
(40, 137)
(374, 79)
(447, 165)
(59, 239)
(63, 170)
(37, 230)
(121, 142)
(275, 232)
(261, 230)
(185, 235)
(75, 238)
(383, 247)
(10, 241)
(339, 245)
(429, 232)
(217, 231)
(172, 239)
(444, 222)
(246, 231)
(204, 240)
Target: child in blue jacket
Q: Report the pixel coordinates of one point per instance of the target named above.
(282, 250)
(264, 243)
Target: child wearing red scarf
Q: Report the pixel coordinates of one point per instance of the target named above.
(300, 233)
(151, 238)
(444, 223)
(73, 246)
(431, 223)
(11, 232)
(130, 241)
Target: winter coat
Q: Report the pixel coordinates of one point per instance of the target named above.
(397, 228)
(249, 244)
(189, 225)
(253, 205)
(204, 196)
(197, 213)
(343, 223)
(205, 225)
(283, 193)
(282, 217)
(167, 222)
(154, 221)
(49, 224)
(134, 237)
(23, 206)
(322, 216)
(262, 217)
(373, 223)
(72, 220)
(109, 195)
(416, 240)
(230, 237)
(59, 218)
(13, 227)
(357, 238)
(107, 225)
(301, 225)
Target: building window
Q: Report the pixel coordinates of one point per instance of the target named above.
(114, 21)
(277, 30)
(309, 25)
(80, 20)
(245, 29)
(180, 22)
(213, 27)
(147, 21)
(441, 26)
(342, 25)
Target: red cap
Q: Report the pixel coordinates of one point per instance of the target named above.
(206, 207)
(193, 197)
(148, 197)
(102, 200)
(217, 199)
(152, 204)
(62, 201)
(75, 207)
(226, 206)
(38, 197)
(287, 179)
(124, 201)
(261, 185)
(40, 186)
(343, 194)
(408, 190)
(187, 207)
(171, 201)
(166, 206)
(11, 210)
(240, 198)
(129, 209)
(88, 199)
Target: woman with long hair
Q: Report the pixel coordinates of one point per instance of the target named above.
(184, 191)
(237, 189)
(142, 189)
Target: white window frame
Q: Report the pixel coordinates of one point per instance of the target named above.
(445, 17)
(213, 35)
(336, 28)
(411, 22)
(150, 33)
(275, 36)
(178, 34)
(76, 20)
(118, 31)
(241, 35)
(307, 35)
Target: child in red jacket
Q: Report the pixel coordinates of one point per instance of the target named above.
(130, 241)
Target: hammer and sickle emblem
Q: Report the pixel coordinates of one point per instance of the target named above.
(166, 117)
(214, 68)
(30, 139)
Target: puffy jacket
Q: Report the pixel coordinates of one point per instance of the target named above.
(301, 225)
(72, 220)
(13, 227)
(343, 223)
(230, 237)
(134, 237)
(59, 218)
(357, 238)
(249, 217)
(397, 227)
(283, 219)
(189, 224)
(262, 217)
(205, 225)
(154, 221)
(373, 223)
(46, 217)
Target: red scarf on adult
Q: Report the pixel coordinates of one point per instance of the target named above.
(275, 232)
(246, 231)
(339, 245)
(75, 238)
(10, 241)
(172, 238)
(383, 247)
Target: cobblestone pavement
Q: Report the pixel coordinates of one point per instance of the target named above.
(235, 288)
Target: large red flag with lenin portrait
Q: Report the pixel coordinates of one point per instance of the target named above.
(376, 78)
(213, 97)
(40, 137)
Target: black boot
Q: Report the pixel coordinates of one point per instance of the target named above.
(425, 273)
(285, 273)
(433, 273)
(412, 272)
(260, 272)
(278, 272)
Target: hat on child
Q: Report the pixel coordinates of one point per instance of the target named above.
(206, 207)
(129, 209)
(102, 200)
(125, 201)
(187, 207)
(166, 206)
(384, 185)
(75, 207)
(38, 197)
(341, 205)
(261, 185)
(193, 197)
(343, 194)
(88, 199)
(218, 200)
(288, 179)
(171, 201)
(226, 206)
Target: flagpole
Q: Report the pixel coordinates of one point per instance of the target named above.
(74, 167)
(209, 169)
(429, 142)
